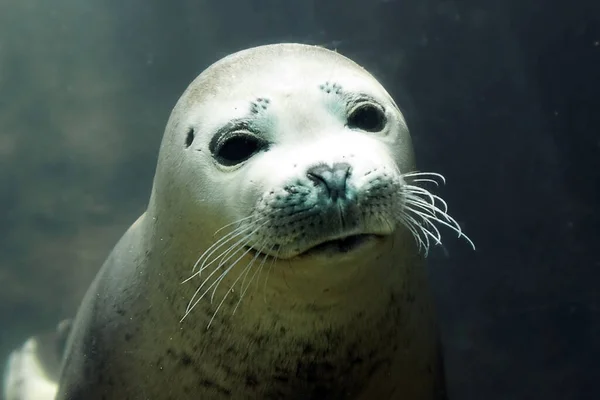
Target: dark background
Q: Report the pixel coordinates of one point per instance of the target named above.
(501, 97)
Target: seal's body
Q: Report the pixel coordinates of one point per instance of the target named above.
(285, 198)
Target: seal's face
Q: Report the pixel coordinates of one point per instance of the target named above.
(312, 150)
(327, 180)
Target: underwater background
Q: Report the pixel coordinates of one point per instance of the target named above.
(501, 97)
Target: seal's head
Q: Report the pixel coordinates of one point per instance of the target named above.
(292, 152)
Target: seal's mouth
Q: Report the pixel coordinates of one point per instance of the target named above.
(331, 247)
(341, 245)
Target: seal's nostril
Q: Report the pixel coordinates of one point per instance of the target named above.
(332, 179)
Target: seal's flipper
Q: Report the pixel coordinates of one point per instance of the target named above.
(32, 370)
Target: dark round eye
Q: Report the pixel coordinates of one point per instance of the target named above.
(367, 117)
(236, 148)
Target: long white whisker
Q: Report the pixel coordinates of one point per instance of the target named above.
(211, 250)
(436, 198)
(260, 268)
(422, 209)
(247, 268)
(244, 290)
(410, 190)
(454, 226)
(244, 239)
(229, 249)
(424, 174)
(417, 226)
(434, 209)
(268, 273)
(427, 233)
(425, 180)
(410, 226)
(416, 190)
(426, 220)
(222, 276)
(425, 210)
(258, 253)
(225, 256)
(236, 222)
(193, 303)
(430, 212)
(221, 242)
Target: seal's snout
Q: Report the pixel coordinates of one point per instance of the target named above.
(331, 179)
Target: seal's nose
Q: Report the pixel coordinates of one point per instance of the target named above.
(331, 179)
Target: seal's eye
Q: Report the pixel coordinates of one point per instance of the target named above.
(234, 148)
(367, 117)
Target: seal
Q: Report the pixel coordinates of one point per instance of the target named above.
(281, 255)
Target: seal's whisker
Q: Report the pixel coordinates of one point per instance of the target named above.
(248, 250)
(244, 240)
(425, 180)
(260, 268)
(387, 222)
(236, 233)
(244, 290)
(243, 293)
(427, 215)
(426, 222)
(211, 250)
(269, 272)
(232, 250)
(202, 285)
(193, 303)
(454, 226)
(433, 212)
(410, 226)
(419, 227)
(221, 242)
(426, 233)
(430, 212)
(222, 276)
(244, 272)
(258, 253)
(416, 191)
(424, 211)
(236, 222)
(424, 227)
(431, 175)
(229, 249)
(430, 207)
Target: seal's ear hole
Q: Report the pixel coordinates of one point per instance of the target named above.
(189, 138)
(237, 148)
(367, 117)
